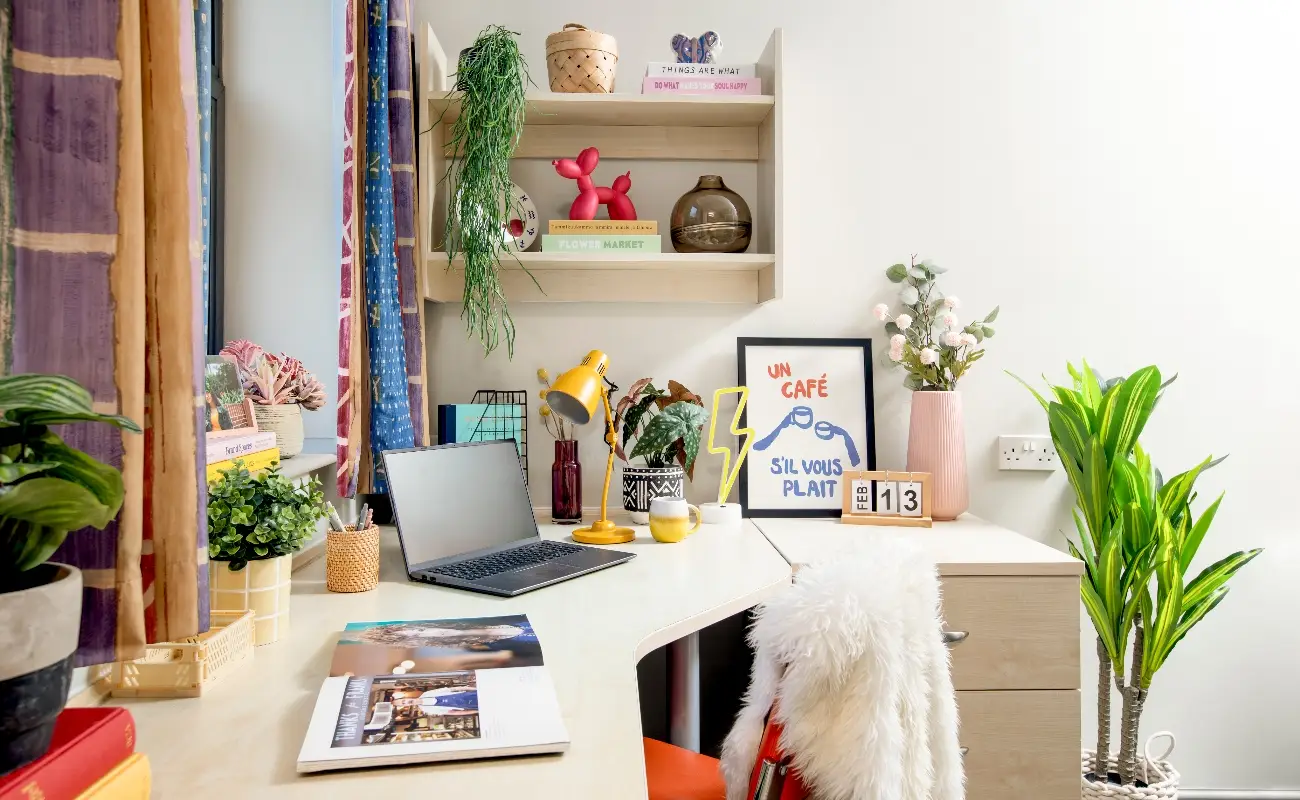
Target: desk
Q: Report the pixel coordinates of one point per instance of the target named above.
(1011, 608)
(241, 739)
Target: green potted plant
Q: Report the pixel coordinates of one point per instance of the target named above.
(663, 429)
(1136, 532)
(280, 388)
(46, 490)
(492, 77)
(256, 522)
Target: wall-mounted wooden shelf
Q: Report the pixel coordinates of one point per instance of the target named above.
(694, 111)
(746, 129)
(590, 277)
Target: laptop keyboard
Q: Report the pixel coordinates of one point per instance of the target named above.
(529, 555)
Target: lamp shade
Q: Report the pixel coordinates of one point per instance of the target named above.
(576, 394)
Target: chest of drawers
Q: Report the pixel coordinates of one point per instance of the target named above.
(1011, 610)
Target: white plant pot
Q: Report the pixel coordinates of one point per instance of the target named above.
(262, 587)
(286, 422)
(1157, 773)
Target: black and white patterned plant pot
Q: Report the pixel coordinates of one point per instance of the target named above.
(643, 484)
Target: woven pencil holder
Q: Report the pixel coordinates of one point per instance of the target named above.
(581, 60)
(352, 559)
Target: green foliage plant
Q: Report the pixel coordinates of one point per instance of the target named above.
(46, 487)
(258, 516)
(663, 426)
(926, 337)
(1134, 529)
(492, 77)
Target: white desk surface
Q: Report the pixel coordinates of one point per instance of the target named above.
(241, 739)
(965, 546)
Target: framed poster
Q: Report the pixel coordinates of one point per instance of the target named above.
(812, 411)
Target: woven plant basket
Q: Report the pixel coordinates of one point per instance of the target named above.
(581, 60)
(285, 420)
(1159, 775)
(352, 559)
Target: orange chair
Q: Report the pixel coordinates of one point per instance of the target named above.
(676, 774)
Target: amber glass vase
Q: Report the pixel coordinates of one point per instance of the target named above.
(711, 219)
(566, 484)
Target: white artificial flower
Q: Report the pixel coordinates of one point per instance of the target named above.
(895, 354)
(969, 339)
(951, 303)
(950, 321)
(897, 341)
(953, 338)
(903, 321)
(928, 356)
(881, 311)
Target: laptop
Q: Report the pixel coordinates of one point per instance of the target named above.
(465, 520)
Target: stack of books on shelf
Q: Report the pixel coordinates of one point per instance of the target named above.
(670, 78)
(613, 237)
(92, 757)
(256, 449)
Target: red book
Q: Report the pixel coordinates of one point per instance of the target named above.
(88, 743)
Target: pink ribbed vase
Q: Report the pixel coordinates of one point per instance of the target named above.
(936, 443)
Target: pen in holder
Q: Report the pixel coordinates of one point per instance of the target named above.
(722, 512)
(352, 559)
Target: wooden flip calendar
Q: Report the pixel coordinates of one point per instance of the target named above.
(887, 497)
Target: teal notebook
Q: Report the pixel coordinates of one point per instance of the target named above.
(481, 422)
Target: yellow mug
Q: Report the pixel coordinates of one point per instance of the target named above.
(670, 519)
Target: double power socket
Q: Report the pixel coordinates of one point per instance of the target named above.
(1027, 453)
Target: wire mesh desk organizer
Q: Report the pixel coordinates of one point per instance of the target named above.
(506, 417)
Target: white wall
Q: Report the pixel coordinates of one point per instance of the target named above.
(283, 229)
(1120, 177)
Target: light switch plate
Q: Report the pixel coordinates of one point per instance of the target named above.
(1027, 453)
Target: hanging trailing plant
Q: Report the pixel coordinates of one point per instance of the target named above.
(492, 77)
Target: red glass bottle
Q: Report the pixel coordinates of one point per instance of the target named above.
(566, 484)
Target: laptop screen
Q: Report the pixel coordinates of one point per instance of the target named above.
(453, 499)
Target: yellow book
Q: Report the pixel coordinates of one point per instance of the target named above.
(603, 227)
(128, 781)
(252, 463)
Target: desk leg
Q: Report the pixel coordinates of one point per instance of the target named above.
(684, 697)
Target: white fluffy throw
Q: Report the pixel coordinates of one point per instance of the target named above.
(853, 651)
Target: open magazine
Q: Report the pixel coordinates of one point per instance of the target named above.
(433, 690)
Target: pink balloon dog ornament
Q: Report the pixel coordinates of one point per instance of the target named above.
(590, 196)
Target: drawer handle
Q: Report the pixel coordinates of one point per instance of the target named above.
(964, 751)
(954, 638)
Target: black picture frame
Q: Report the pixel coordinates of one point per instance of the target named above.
(743, 343)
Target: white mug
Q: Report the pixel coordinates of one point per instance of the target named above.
(670, 519)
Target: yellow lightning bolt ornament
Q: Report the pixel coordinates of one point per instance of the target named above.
(730, 472)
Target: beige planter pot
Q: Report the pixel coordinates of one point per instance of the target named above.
(261, 587)
(286, 422)
(936, 443)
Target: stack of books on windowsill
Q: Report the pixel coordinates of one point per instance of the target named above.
(256, 449)
(91, 757)
(670, 78)
(613, 237)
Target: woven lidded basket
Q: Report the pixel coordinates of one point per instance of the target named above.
(352, 559)
(581, 60)
(1159, 775)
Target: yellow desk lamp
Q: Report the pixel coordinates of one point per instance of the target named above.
(574, 396)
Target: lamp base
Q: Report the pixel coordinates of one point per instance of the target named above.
(602, 531)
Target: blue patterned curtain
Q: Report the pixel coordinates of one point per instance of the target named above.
(390, 406)
(203, 48)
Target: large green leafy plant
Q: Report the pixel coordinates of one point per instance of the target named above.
(492, 77)
(1134, 529)
(46, 487)
(252, 517)
(662, 426)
